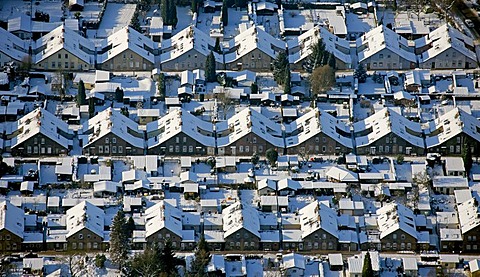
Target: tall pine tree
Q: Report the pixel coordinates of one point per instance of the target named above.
(202, 258)
(119, 244)
(367, 270)
(316, 56)
(224, 13)
(167, 260)
(287, 87)
(210, 68)
(173, 13)
(81, 96)
(280, 66)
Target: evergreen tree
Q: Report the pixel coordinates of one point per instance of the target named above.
(217, 46)
(194, 6)
(161, 86)
(241, 3)
(361, 74)
(224, 13)
(164, 9)
(202, 258)
(81, 96)
(272, 156)
(287, 87)
(167, 260)
(367, 270)
(130, 226)
(145, 264)
(467, 157)
(332, 62)
(119, 244)
(280, 66)
(210, 68)
(254, 88)
(91, 108)
(119, 94)
(173, 13)
(316, 57)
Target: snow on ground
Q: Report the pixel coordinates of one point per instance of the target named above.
(235, 18)
(404, 172)
(254, 268)
(116, 16)
(184, 15)
(359, 24)
(14, 8)
(271, 24)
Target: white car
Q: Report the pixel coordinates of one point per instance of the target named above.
(469, 23)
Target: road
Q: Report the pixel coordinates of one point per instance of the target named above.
(464, 10)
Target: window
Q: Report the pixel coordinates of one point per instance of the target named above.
(53, 64)
(400, 149)
(114, 149)
(388, 139)
(452, 148)
(317, 140)
(245, 244)
(252, 244)
(43, 140)
(190, 149)
(177, 140)
(380, 148)
(66, 56)
(107, 149)
(458, 139)
(394, 236)
(74, 245)
(177, 148)
(59, 56)
(35, 150)
(457, 149)
(80, 236)
(387, 149)
(380, 56)
(324, 139)
(114, 140)
(29, 149)
(120, 149)
(170, 148)
(260, 148)
(184, 149)
(66, 64)
(100, 149)
(184, 139)
(240, 149)
(324, 148)
(7, 237)
(402, 236)
(254, 140)
(380, 64)
(107, 140)
(247, 149)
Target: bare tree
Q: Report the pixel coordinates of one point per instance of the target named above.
(225, 102)
(76, 264)
(322, 79)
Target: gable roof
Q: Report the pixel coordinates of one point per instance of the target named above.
(388, 121)
(469, 215)
(451, 124)
(43, 122)
(85, 215)
(13, 46)
(293, 260)
(317, 216)
(238, 216)
(180, 121)
(313, 123)
(67, 39)
(111, 121)
(187, 39)
(381, 38)
(11, 218)
(443, 38)
(341, 174)
(301, 47)
(246, 121)
(253, 38)
(395, 217)
(127, 38)
(163, 215)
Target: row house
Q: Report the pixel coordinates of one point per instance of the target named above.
(180, 133)
(12, 48)
(188, 50)
(241, 226)
(318, 132)
(387, 132)
(25, 28)
(127, 50)
(39, 133)
(300, 48)
(383, 49)
(163, 221)
(469, 218)
(253, 49)
(11, 227)
(112, 133)
(449, 133)
(63, 49)
(85, 228)
(444, 48)
(248, 132)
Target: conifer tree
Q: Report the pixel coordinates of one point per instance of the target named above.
(81, 96)
(210, 68)
(119, 244)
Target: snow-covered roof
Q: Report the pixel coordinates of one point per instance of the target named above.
(301, 47)
(474, 265)
(180, 121)
(341, 174)
(25, 24)
(11, 218)
(287, 183)
(187, 39)
(246, 121)
(40, 121)
(112, 121)
(443, 38)
(381, 38)
(253, 38)
(85, 215)
(388, 121)
(124, 39)
(468, 214)
(64, 38)
(451, 124)
(313, 123)
(163, 215)
(395, 217)
(238, 216)
(107, 186)
(315, 216)
(266, 183)
(13, 46)
(293, 260)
